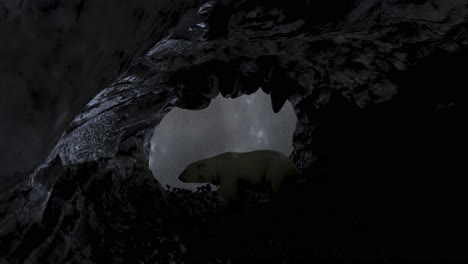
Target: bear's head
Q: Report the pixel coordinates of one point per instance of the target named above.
(198, 172)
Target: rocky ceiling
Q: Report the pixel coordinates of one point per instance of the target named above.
(376, 87)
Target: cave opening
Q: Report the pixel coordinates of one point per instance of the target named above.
(241, 124)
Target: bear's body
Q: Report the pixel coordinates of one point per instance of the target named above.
(262, 168)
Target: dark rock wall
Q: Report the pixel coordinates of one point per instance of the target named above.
(377, 92)
(57, 55)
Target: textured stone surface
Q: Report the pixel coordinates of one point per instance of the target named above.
(376, 89)
(56, 56)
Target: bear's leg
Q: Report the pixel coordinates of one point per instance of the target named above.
(276, 176)
(278, 196)
(228, 188)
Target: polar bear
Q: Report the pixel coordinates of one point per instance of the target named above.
(262, 168)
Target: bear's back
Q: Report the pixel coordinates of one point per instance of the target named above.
(270, 156)
(262, 154)
(254, 164)
(268, 159)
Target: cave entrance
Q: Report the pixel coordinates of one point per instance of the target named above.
(243, 124)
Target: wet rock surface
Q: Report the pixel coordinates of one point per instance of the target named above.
(377, 89)
(56, 56)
